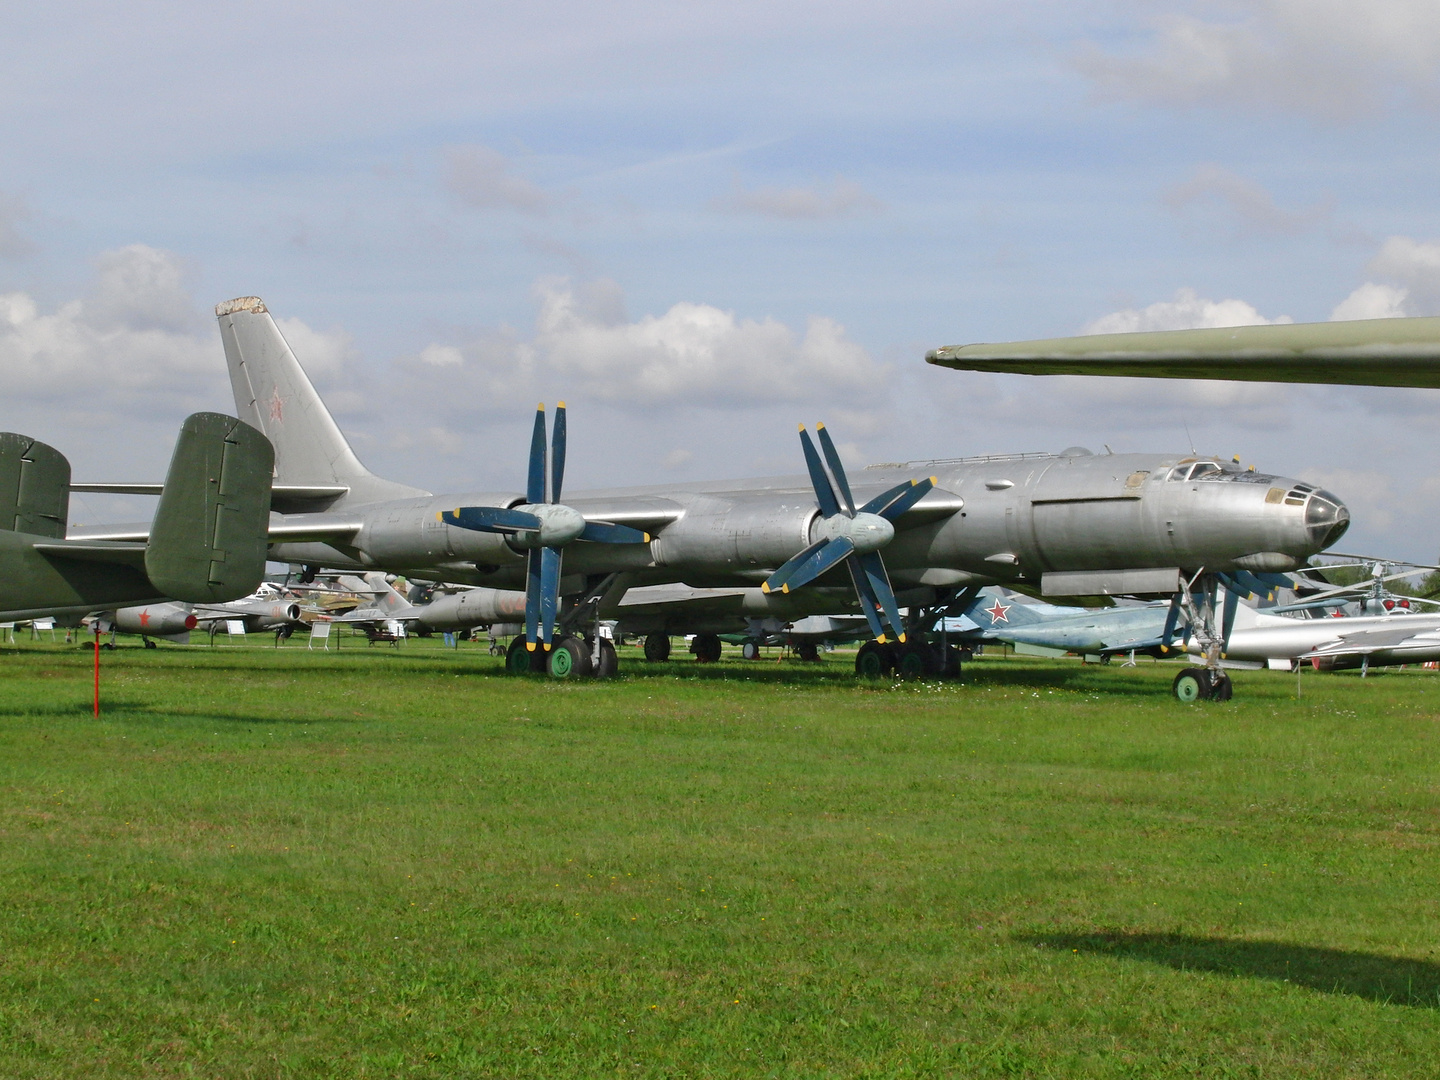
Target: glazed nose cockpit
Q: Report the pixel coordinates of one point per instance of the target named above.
(1326, 518)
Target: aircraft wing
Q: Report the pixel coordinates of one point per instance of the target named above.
(295, 529)
(650, 513)
(1363, 642)
(1369, 352)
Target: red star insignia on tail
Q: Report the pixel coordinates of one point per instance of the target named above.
(998, 612)
(277, 406)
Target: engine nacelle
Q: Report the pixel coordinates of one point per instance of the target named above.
(737, 534)
(412, 534)
(474, 607)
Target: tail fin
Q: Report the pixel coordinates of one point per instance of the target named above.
(314, 465)
(209, 538)
(34, 487)
(386, 598)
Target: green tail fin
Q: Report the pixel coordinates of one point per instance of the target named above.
(209, 538)
(34, 487)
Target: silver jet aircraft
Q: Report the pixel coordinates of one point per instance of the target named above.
(1073, 523)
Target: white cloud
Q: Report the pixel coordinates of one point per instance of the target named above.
(1338, 59)
(1253, 209)
(1187, 311)
(1410, 285)
(485, 179)
(693, 355)
(1371, 301)
(843, 198)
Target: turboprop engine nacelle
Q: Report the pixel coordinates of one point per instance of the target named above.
(474, 607)
(155, 620)
(411, 534)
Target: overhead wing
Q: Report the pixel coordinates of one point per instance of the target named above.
(1370, 352)
(650, 513)
(279, 493)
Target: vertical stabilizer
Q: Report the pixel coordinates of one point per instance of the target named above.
(34, 487)
(314, 465)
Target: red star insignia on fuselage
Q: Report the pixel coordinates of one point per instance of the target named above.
(277, 407)
(998, 613)
(145, 617)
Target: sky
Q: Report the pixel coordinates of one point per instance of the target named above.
(701, 224)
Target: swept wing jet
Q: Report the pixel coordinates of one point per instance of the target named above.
(1073, 523)
(206, 544)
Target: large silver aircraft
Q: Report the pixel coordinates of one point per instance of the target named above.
(1073, 523)
(206, 544)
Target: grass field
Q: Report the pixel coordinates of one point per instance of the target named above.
(389, 863)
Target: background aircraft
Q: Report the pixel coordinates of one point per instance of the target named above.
(206, 544)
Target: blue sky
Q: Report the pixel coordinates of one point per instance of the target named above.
(699, 225)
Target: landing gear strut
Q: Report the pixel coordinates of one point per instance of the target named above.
(1198, 602)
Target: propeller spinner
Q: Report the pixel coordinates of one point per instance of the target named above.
(851, 536)
(543, 527)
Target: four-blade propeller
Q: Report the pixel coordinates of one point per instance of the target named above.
(851, 536)
(543, 527)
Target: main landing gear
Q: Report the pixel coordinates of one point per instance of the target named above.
(1210, 625)
(570, 657)
(916, 658)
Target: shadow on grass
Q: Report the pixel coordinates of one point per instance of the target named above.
(1389, 980)
(122, 711)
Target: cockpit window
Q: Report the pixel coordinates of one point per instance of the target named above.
(1200, 470)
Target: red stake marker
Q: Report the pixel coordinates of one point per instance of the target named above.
(97, 670)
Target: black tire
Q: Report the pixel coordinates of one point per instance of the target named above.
(706, 648)
(874, 661)
(916, 660)
(609, 661)
(569, 659)
(1220, 687)
(808, 651)
(520, 661)
(750, 650)
(1191, 685)
(657, 648)
(950, 662)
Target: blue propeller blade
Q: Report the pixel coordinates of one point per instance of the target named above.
(490, 519)
(549, 593)
(837, 470)
(880, 585)
(557, 453)
(824, 493)
(780, 577)
(602, 532)
(868, 604)
(907, 498)
(535, 488)
(832, 553)
(532, 600)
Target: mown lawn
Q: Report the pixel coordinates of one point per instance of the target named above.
(402, 863)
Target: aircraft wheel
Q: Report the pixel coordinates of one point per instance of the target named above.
(950, 662)
(916, 660)
(706, 648)
(750, 651)
(1220, 687)
(149, 644)
(808, 651)
(520, 661)
(569, 659)
(1191, 685)
(657, 648)
(609, 662)
(874, 661)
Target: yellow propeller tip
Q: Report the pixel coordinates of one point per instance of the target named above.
(902, 639)
(802, 427)
(561, 405)
(765, 587)
(540, 407)
(785, 588)
(934, 479)
(819, 426)
(881, 639)
(529, 646)
(547, 646)
(647, 538)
